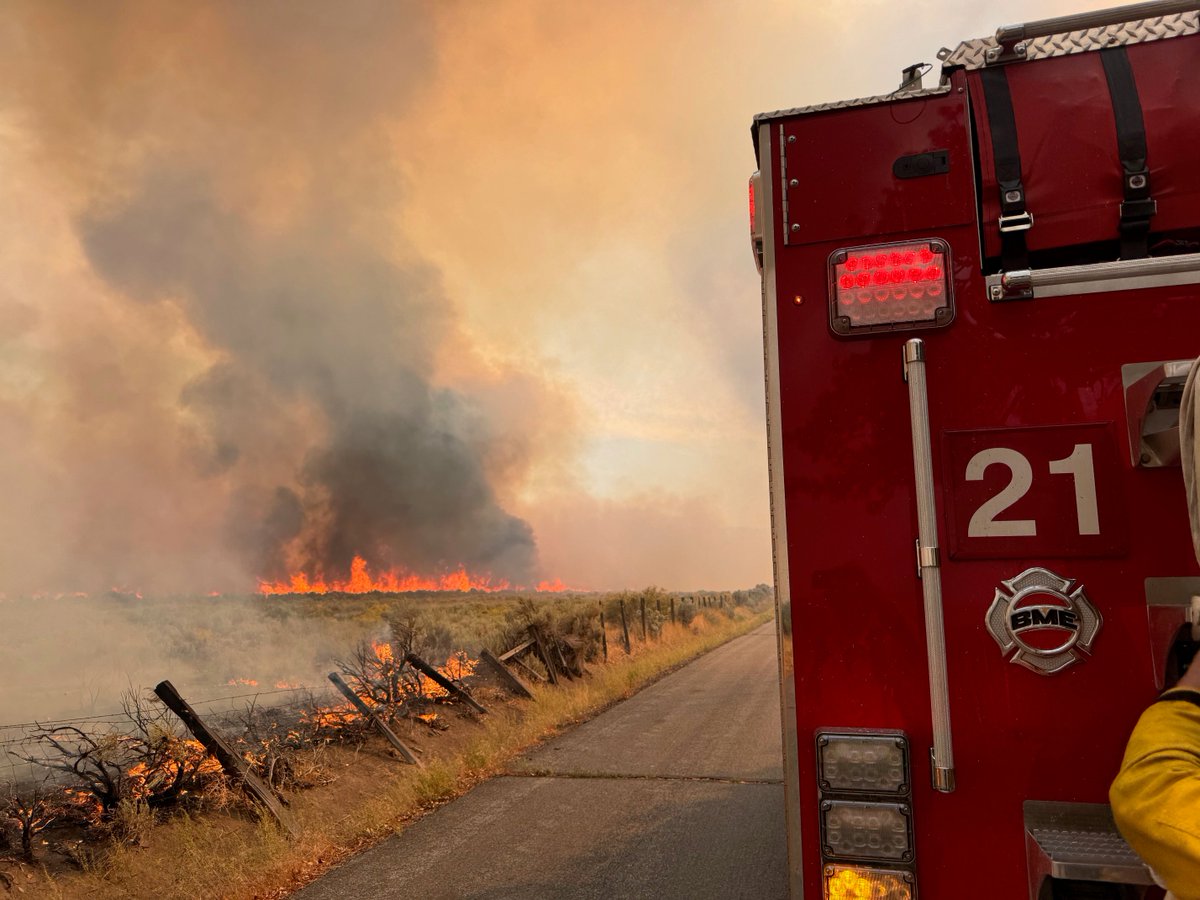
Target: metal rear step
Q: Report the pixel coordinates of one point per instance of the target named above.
(1078, 842)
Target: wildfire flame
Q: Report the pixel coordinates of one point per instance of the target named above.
(84, 803)
(144, 779)
(332, 717)
(395, 581)
(383, 651)
(458, 666)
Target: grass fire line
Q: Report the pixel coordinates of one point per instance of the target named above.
(338, 799)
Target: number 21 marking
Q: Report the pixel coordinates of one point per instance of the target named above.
(1078, 465)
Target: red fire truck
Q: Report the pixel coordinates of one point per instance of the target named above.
(980, 304)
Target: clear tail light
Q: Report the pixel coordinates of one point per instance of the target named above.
(869, 831)
(890, 287)
(859, 763)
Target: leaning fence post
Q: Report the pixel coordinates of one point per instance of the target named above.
(233, 764)
(438, 678)
(371, 716)
(543, 653)
(511, 681)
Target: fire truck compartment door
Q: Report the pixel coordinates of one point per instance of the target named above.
(840, 178)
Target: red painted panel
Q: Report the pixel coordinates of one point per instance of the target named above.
(1014, 493)
(842, 162)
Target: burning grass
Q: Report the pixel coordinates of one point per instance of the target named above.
(344, 786)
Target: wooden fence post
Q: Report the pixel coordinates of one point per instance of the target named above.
(672, 610)
(438, 678)
(645, 630)
(543, 653)
(625, 629)
(371, 716)
(511, 681)
(233, 764)
(603, 633)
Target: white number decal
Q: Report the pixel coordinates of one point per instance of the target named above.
(1078, 465)
(983, 522)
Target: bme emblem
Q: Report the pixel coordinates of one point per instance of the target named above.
(1049, 625)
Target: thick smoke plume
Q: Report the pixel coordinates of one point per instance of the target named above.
(308, 316)
(241, 358)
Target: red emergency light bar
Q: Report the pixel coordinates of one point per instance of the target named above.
(890, 287)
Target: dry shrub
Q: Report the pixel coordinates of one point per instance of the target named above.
(30, 811)
(130, 823)
(149, 761)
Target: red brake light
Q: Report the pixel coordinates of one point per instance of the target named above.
(756, 226)
(890, 287)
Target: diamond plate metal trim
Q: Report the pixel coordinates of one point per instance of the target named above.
(845, 104)
(973, 54)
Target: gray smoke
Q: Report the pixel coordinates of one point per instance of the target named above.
(307, 316)
(235, 175)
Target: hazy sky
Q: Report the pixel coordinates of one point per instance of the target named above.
(433, 282)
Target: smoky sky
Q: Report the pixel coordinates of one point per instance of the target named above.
(235, 167)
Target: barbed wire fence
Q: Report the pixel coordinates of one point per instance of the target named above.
(20, 746)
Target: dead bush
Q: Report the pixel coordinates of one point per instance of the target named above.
(147, 761)
(30, 810)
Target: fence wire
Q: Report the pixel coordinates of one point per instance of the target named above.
(20, 747)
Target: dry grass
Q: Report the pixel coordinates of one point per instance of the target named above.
(233, 854)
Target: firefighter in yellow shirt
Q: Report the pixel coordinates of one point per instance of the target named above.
(1156, 796)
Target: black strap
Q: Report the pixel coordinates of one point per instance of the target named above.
(1183, 695)
(1015, 220)
(1139, 206)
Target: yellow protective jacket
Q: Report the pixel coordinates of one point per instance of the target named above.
(1156, 795)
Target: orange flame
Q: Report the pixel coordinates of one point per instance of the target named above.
(145, 779)
(383, 652)
(332, 717)
(397, 580)
(85, 803)
(458, 666)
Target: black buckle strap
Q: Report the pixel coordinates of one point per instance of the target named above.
(1015, 219)
(1139, 206)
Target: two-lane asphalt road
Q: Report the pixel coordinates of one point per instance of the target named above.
(675, 793)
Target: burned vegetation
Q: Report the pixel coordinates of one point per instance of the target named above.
(75, 790)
